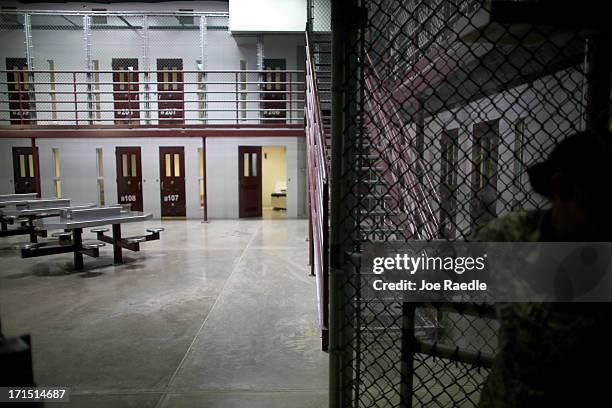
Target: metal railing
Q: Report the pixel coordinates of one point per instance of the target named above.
(318, 192)
(151, 97)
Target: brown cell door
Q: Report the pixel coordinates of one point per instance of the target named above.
(170, 90)
(129, 177)
(25, 170)
(125, 90)
(484, 175)
(172, 181)
(249, 181)
(19, 95)
(275, 87)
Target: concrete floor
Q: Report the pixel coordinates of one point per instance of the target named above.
(212, 315)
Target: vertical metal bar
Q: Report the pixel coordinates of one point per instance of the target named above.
(203, 47)
(36, 167)
(598, 68)
(77, 243)
(260, 61)
(117, 252)
(325, 267)
(309, 18)
(337, 273)
(74, 88)
(18, 74)
(88, 66)
(204, 179)
(311, 261)
(407, 354)
(33, 236)
(236, 80)
(29, 52)
(146, 67)
(290, 105)
(129, 95)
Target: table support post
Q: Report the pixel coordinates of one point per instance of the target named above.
(33, 237)
(77, 241)
(117, 253)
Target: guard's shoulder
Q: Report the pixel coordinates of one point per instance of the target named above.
(519, 226)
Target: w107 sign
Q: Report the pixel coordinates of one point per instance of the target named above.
(170, 198)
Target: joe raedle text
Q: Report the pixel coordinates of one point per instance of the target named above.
(403, 264)
(423, 285)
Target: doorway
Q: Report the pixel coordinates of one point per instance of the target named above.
(170, 91)
(126, 90)
(21, 110)
(275, 87)
(129, 177)
(249, 181)
(274, 182)
(25, 170)
(172, 181)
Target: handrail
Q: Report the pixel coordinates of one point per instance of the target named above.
(318, 194)
(394, 149)
(152, 97)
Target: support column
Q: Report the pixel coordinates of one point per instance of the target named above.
(145, 67)
(597, 71)
(77, 242)
(29, 53)
(203, 102)
(88, 67)
(260, 67)
(117, 252)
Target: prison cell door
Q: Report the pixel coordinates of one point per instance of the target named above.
(170, 90)
(19, 97)
(484, 174)
(125, 90)
(172, 181)
(274, 90)
(249, 180)
(449, 159)
(129, 177)
(25, 170)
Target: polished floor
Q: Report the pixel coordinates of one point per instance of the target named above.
(213, 315)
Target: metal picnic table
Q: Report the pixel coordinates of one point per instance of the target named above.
(74, 221)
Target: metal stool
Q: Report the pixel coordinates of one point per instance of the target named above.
(93, 244)
(99, 230)
(135, 240)
(155, 229)
(63, 236)
(26, 245)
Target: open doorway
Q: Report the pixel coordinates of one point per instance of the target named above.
(274, 182)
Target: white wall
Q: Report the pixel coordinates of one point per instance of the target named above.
(79, 171)
(267, 15)
(7, 185)
(222, 174)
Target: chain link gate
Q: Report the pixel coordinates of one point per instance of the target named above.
(439, 106)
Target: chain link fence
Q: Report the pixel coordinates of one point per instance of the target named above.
(440, 106)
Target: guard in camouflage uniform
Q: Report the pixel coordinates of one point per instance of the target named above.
(557, 354)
